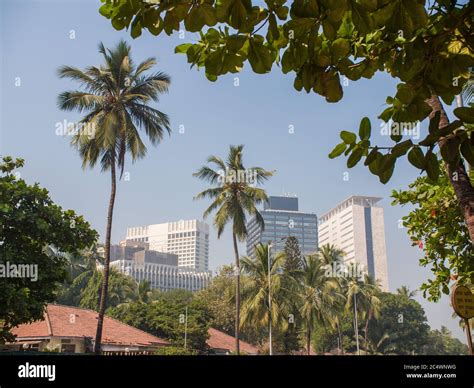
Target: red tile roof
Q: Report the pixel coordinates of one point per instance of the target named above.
(219, 340)
(67, 321)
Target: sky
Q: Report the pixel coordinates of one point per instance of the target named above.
(282, 129)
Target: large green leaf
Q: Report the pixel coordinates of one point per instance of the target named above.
(416, 157)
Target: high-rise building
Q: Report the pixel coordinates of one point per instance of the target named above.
(282, 219)
(356, 226)
(160, 269)
(188, 239)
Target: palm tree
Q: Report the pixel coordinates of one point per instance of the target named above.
(371, 303)
(318, 296)
(361, 298)
(233, 199)
(263, 303)
(406, 292)
(115, 98)
(330, 255)
(143, 291)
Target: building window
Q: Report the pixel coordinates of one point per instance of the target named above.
(68, 348)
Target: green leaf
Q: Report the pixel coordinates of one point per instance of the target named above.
(402, 148)
(372, 156)
(465, 114)
(365, 129)
(467, 150)
(432, 166)
(338, 150)
(417, 158)
(208, 14)
(136, 28)
(434, 122)
(386, 168)
(259, 56)
(340, 48)
(238, 14)
(361, 19)
(405, 93)
(355, 157)
(329, 30)
(282, 12)
(348, 137)
(182, 48)
(194, 20)
(235, 42)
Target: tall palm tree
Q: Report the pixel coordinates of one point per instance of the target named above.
(318, 296)
(115, 98)
(330, 255)
(362, 299)
(263, 304)
(233, 199)
(406, 292)
(371, 303)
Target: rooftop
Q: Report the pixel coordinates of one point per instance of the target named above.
(222, 341)
(75, 322)
(362, 200)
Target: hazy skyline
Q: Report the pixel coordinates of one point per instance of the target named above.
(282, 129)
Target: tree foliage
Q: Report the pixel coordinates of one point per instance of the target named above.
(122, 289)
(427, 47)
(34, 231)
(293, 256)
(436, 225)
(165, 318)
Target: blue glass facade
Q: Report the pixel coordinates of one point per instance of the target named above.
(282, 223)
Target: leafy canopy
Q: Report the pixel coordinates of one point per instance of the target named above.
(33, 231)
(428, 47)
(436, 224)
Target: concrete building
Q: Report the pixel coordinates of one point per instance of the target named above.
(356, 226)
(282, 219)
(188, 239)
(160, 269)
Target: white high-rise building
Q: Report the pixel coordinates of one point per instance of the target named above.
(188, 239)
(356, 226)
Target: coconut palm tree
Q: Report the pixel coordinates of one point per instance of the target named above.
(115, 98)
(330, 255)
(361, 298)
(371, 302)
(143, 291)
(406, 292)
(234, 197)
(263, 302)
(318, 296)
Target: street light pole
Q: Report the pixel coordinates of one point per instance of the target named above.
(269, 302)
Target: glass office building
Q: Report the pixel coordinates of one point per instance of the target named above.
(282, 219)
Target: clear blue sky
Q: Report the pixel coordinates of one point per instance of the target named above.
(35, 41)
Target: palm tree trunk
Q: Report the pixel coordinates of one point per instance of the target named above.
(308, 341)
(237, 295)
(105, 280)
(340, 337)
(365, 333)
(457, 172)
